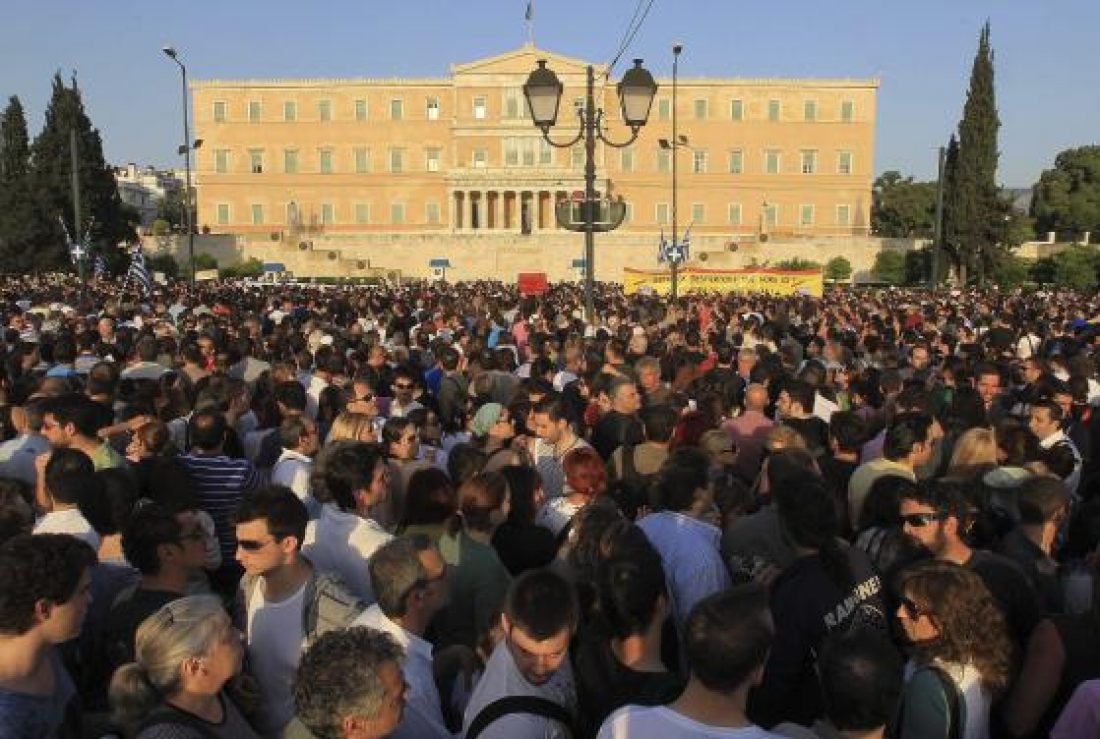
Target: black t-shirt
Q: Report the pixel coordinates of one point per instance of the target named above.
(1012, 591)
(605, 684)
(615, 429)
(813, 430)
(126, 616)
(837, 473)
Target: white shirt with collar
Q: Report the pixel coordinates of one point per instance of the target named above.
(342, 543)
(1074, 478)
(689, 550)
(69, 521)
(502, 679)
(423, 716)
(293, 470)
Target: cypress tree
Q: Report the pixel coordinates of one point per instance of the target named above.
(111, 222)
(21, 224)
(950, 200)
(978, 211)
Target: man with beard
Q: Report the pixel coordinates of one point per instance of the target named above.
(936, 517)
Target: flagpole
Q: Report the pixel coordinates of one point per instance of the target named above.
(530, 18)
(76, 200)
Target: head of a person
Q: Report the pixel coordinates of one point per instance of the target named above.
(658, 422)
(807, 513)
(1045, 419)
(727, 638)
(270, 528)
(847, 432)
(632, 592)
(987, 380)
(349, 685)
(796, 399)
(156, 538)
(882, 506)
(299, 434)
(936, 514)
(400, 438)
(16, 511)
(492, 421)
(756, 397)
(108, 500)
(68, 473)
(404, 385)
(409, 579)
(719, 446)
(683, 482)
(860, 674)
(47, 586)
(624, 396)
(188, 646)
(483, 501)
(525, 493)
(71, 415)
(290, 398)
(909, 439)
(585, 472)
(354, 475)
(948, 614)
(539, 619)
(430, 498)
(464, 461)
(1042, 500)
(208, 429)
(649, 373)
(148, 440)
(550, 418)
(975, 452)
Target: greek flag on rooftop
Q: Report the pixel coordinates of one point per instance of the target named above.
(138, 272)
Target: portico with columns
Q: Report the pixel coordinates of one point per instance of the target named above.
(506, 208)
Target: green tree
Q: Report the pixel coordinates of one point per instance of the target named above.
(889, 267)
(1076, 267)
(977, 206)
(252, 267)
(1012, 271)
(838, 269)
(163, 262)
(918, 266)
(952, 252)
(797, 263)
(101, 206)
(902, 208)
(22, 225)
(1067, 197)
(170, 209)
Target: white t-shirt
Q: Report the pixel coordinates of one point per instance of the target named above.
(275, 641)
(661, 722)
(502, 678)
(342, 543)
(71, 522)
(556, 514)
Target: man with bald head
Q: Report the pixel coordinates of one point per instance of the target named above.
(749, 431)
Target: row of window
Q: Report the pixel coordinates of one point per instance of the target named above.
(515, 106)
(529, 152)
(361, 214)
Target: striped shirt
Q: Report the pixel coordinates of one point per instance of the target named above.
(220, 484)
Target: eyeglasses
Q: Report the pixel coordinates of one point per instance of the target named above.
(912, 610)
(367, 397)
(253, 546)
(920, 520)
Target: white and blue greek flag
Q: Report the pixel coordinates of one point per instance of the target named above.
(662, 248)
(99, 266)
(139, 272)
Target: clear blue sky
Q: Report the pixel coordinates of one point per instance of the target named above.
(1048, 79)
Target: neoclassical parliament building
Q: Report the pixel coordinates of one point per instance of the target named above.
(371, 159)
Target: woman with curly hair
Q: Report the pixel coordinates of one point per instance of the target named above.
(961, 654)
(585, 479)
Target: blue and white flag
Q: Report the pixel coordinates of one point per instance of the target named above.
(662, 247)
(685, 245)
(138, 272)
(70, 245)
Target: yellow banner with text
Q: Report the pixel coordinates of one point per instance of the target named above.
(699, 280)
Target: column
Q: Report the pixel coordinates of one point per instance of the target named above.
(498, 211)
(457, 213)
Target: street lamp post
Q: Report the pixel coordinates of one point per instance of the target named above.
(543, 91)
(186, 150)
(677, 253)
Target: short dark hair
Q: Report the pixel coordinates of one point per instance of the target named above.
(555, 407)
(207, 429)
(727, 636)
(659, 421)
(16, 513)
(464, 461)
(800, 392)
(1051, 407)
(151, 526)
(291, 395)
(283, 511)
(861, 680)
(1039, 498)
(949, 496)
(350, 469)
(108, 503)
(542, 603)
(83, 413)
(907, 430)
(36, 567)
(679, 478)
(68, 473)
(291, 431)
(849, 430)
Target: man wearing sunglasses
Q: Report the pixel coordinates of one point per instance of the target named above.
(936, 516)
(404, 388)
(284, 603)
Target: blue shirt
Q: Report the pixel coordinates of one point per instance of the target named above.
(24, 716)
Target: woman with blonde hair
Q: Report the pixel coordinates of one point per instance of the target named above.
(350, 426)
(185, 653)
(975, 454)
(961, 657)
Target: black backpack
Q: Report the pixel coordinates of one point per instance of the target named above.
(520, 704)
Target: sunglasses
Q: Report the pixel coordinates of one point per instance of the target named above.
(920, 520)
(253, 546)
(912, 610)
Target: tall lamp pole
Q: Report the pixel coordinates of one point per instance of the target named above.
(677, 252)
(636, 90)
(172, 54)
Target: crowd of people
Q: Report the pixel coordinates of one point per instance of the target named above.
(451, 510)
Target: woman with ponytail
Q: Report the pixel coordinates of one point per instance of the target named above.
(829, 587)
(175, 689)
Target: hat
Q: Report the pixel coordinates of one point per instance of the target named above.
(485, 418)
